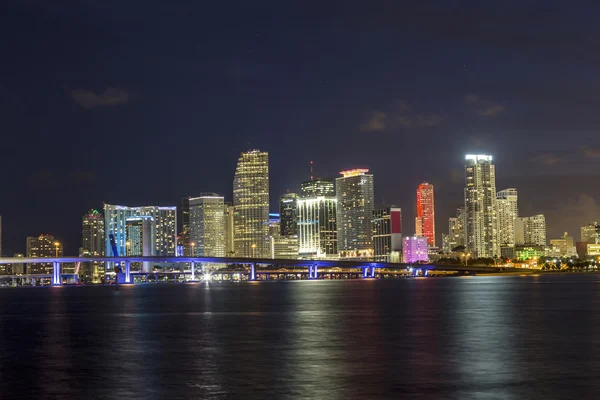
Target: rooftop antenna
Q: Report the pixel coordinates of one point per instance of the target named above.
(311, 170)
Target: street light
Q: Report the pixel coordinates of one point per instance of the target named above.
(253, 247)
(56, 246)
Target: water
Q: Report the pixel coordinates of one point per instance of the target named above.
(434, 338)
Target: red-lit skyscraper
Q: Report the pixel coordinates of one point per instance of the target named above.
(425, 221)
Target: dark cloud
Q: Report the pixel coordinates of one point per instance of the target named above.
(110, 97)
(482, 106)
(42, 179)
(400, 115)
(591, 151)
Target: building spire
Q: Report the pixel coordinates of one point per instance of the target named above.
(311, 170)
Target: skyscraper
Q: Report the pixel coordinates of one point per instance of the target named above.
(92, 244)
(288, 212)
(355, 198)
(531, 230)
(387, 234)
(43, 246)
(251, 205)
(480, 206)
(317, 214)
(229, 232)
(425, 221)
(0, 235)
(506, 213)
(165, 220)
(184, 235)
(207, 225)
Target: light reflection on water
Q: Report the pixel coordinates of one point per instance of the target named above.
(484, 337)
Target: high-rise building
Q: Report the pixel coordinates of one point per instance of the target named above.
(92, 245)
(317, 226)
(480, 206)
(274, 224)
(590, 233)
(165, 221)
(456, 232)
(184, 235)
(531, 230)
(288, 212)
(0, 235)
(43, 246)
(387, 234)
(565, 245)
(284, 247)
(141, 236)
(251, 205)
(355, 198)
(415, 249)
(425, 221)
(229, 232)
(207, 225)
(506, 213)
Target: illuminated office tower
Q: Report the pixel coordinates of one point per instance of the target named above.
(229, 236)
(425, 220)
(141, 238)
(355, 198)
(92, 245)
(284, 247)
(274, 225)
(251, 205)
(288, 208)
(184, 233)
(317, 214)
(531, 230)
(480, 206)
(0, 235)
(207, 225)
(387, 234)
(590, 233)
(43, 246)
(165, 222)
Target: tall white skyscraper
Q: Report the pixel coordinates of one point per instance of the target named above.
(317, 214)
(355, 204)
(207, 225)
(480, 206)
(251, 205)
(506, 213)
(165, 220)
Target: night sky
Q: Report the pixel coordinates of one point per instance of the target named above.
(143, 102)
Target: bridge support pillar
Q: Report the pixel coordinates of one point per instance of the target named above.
(314, 272)
(252, 276)
(193, 268)
(127, 272)
(424, 271)
(56, 281)
(365, 272)
(371, 272)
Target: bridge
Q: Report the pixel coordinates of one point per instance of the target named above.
(367, 269)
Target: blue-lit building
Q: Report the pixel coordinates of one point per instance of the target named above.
(165, 227)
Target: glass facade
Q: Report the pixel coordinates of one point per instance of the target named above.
(288, 217)
(165, 221)
(387, 234)
(207, 225)
(251, 205)
(355, 198)
(317, 227)
(480, 206)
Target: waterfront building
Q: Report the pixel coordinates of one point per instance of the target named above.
(506, 212)
(284, 247)
(531, 230)
(165, 221)
(274, 224)
(590, 233)
(425, 220)
(387, 233)
(528, 252)
(92, 244)
(183, 239)
(229, 231)
(355, 203)
(0, 235)
(480, 206)
(593, 250)
(288, 212)
(207, 225)
(565, 245)
(317, 220)
(43, 246)
(251, 205)
(415, 249)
